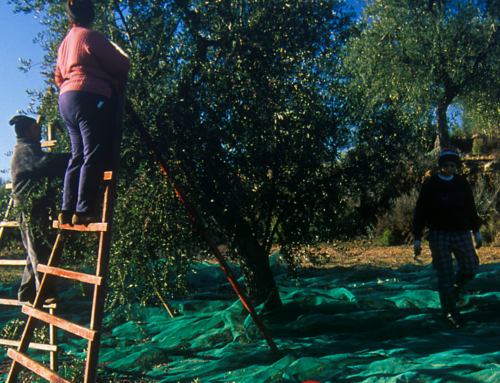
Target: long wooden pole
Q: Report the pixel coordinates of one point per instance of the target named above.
(194, 216)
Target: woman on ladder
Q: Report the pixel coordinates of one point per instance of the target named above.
(87, 72)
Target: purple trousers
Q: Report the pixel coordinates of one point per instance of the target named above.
(89, 118)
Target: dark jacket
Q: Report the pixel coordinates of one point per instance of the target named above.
(445, 206)
(30, 164)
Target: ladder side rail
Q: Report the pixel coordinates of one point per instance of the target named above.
(54, 341)
(99, 298)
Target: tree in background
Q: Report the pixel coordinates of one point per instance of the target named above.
(387, 158)
(4, 196)
(422, 56)
(235, 95)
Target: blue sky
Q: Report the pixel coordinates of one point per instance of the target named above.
(18, 31)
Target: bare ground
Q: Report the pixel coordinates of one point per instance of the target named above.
(393, 257)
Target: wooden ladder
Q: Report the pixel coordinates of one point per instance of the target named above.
(6, 224)
(52, 346)
(52, 271)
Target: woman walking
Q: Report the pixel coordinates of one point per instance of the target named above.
(446, 206)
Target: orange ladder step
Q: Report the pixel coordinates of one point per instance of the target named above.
(36, 346)
(15, 302)
(13, 262)
(36, 367)
(9, 224)
(97, 226)
(81, 277)
(63, 324)
(11, 302)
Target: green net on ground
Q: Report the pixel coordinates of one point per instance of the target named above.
(336, 325)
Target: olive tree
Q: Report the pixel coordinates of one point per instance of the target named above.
(234, 94)
(423, 56)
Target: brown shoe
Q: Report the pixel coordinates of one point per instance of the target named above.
(84, 219)
(64, 217)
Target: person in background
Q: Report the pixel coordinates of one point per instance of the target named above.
(87, 73)
(446, 207)
(32, 170)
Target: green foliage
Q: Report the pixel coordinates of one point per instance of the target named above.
(422, 56)
(39, 201)
(486, 199)
(37, 207)
(155, 245)
(9, 237)
(4, 196)
(233, 94)
(394, 226)
(386, 162)
(13, 330)
(388, 238)
(73, 368)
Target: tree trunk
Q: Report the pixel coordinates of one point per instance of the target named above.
(442, 121)
(253, 257)
(257, 272)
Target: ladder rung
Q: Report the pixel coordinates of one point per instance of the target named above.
(11, 302)
(73, 328)
(98, 226)
(36, 346)
(48, 144)
(82, 277)
(9, 224)
(12, 262)
(15, 302)
(36, 367)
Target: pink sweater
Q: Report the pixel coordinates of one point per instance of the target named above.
(87, 61)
